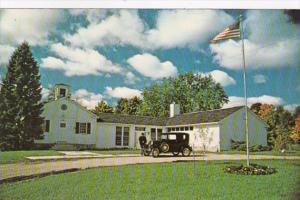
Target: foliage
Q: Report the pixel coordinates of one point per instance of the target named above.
(256, 108)
(279, 122)
(252, 169)
(241, 146)
(129, 106)
(21, 107)
(103, 107)
(194, 92)
(296, 113)
(295, 136)
(161, 181)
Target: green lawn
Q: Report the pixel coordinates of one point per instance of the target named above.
(161, 181)
(273, 153)
(19, 156)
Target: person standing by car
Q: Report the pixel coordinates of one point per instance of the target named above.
(143, 141)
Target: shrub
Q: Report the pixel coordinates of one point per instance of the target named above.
(253, 169)
(242, 146)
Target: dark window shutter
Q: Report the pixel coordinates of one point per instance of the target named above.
(77, 128)
(47, 128)
(88, 128)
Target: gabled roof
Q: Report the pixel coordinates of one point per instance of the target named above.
(202, 116)
(183, 119)
(131, 119)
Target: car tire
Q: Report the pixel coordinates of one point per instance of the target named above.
(175, 153)
(186, 151)
(155, 152)
(146, 153)
(164, 147)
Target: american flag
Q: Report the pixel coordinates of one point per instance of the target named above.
(232, 31)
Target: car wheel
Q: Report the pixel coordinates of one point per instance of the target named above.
(164, 147)
(186, 151)
(155, 152)
(175, 153)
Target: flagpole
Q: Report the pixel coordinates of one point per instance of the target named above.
(245, 91)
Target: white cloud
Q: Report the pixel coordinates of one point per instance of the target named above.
(271, 42)
(123, 28)
(32, 25)
(180, 28)
(259, 78)
(280, 54)
(5, 52)
(86, 98)
(131, 78)
(92, 15)
(150, 66)
(291, 107)
(122, 92)
(45, 93)
(79, 62)
(176, 28)
(239, 101)
(221, 77)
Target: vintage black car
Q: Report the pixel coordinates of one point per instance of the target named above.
(172, 143)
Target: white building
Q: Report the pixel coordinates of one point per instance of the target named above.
(67, 122)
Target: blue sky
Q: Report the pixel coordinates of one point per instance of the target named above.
(108, 54)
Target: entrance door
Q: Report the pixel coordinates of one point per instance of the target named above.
(138, 133)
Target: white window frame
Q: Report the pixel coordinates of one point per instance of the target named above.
(122, 136)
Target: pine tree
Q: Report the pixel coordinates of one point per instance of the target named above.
(21, 107)
(29, 94)
(103, 107)
(9, 108)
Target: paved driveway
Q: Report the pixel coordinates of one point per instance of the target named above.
(19, 171)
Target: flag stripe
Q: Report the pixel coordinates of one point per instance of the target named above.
(233, 31)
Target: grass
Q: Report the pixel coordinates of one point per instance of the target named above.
(272, 153)
(7, 157)
(161, 181)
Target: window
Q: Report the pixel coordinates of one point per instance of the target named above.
(186, 128)
(191, 128)
(140, 128)
(46, 126)
(62, 124)
(126, 136)
(122, 136)
(172, 137)
(83, 128)
(159, 132)
(62, 92)
(177, 128)
(173, 129)
(169, 129)
(153, 134)
(118, 136)
(64, 107)
(182, 128)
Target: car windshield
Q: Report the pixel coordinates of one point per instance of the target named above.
(164, 137)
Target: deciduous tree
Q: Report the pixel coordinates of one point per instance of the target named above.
(194, 92)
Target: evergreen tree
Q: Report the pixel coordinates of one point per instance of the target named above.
(9, 108)
(103, 107)
(122, 106)
(21, 107)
